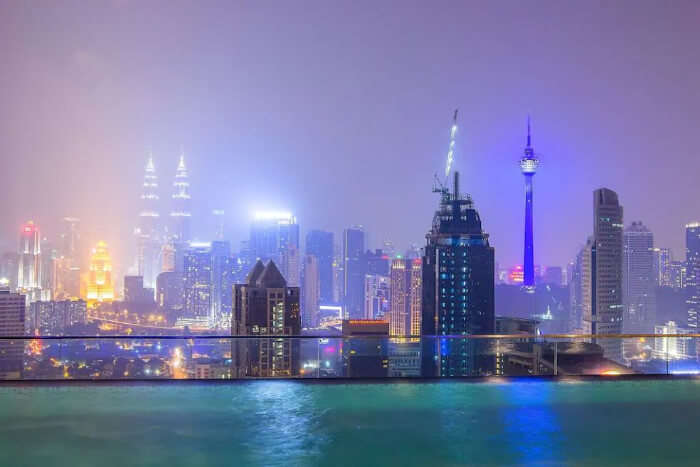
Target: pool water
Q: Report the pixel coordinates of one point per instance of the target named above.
(638, 422)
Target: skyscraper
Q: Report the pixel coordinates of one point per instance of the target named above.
(528, 166)
(265, 306)
(662, 266)
(274, 236)
(639, 281)
(221, 282)
(180, 215)
(406, 296)
(377, 296)
(219, 224)
(458, 288)
(29, 268)
(320, 245)
(354, 271)
(602, 291)
(99, 287)
(198, 284)
(311, 292)
(149, 230)
(692, 281)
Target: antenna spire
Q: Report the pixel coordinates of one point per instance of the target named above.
(528, 131)
(451, 150)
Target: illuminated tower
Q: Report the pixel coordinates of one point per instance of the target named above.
(148, 231)
(99, 287)
(180, 214)
(528, 165)
(29, 268)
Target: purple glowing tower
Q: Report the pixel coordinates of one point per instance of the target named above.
(528, 165)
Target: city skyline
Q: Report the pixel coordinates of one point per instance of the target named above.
(304, 158)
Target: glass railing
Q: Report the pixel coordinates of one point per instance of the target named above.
(321, 357)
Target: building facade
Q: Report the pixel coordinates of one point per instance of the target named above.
(458, 289)
(602, 292)
(406, 297)
(639, 279)
(265, 306)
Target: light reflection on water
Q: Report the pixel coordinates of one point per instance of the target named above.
(288, 423)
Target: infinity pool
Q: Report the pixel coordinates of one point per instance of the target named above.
(640, 422)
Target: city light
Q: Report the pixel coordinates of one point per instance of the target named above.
(273, 215)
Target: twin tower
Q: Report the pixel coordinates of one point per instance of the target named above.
(150, 223)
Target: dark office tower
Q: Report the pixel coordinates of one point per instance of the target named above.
(602, 291)
(180, 215)
(148, 232)
(528, 166)
(320, 245)
(639, 281)
(458, 288)
(265, 306)
(354, 267)
(170, 294)
(220, 280)
(311, 292)
(133, 289)
(198, 284)
(692, 278)
(376, 262)
(12, 309)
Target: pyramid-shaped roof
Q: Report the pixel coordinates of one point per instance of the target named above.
(271, 277)
(255, 273)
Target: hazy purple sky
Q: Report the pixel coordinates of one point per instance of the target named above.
(339, 112)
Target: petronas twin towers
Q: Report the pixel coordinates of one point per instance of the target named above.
(153, 231)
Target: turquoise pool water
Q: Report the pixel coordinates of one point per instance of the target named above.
(640, 422)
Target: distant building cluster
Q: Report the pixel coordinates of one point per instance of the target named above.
(371, 312)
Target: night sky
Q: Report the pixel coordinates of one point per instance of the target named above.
(340, 113)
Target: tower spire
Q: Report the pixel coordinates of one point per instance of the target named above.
(451, 149)
(528, 131)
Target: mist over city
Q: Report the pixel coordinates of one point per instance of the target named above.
(400, 197)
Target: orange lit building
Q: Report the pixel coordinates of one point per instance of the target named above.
(99, 283)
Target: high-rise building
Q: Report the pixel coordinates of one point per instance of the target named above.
(354, 271)
(170, 294)
(639, 279)
(673, 348)
(320, 245)
(580, 271)
(54, 318)
(9, 269)
(221, 282)
(71, 246)
(406, 296)
(148, 232)
(265, 306)
(692, 262)
(181, 215)
(12, 322)
(198, 287)
(458, 288)
(99, 287)
(29, 268)
(678, 272)
(528, 166)
(377, 296)
(662, 266)
(602, 291)
(219, 224)
(311, 292)
(289, 266)
(274, 236)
